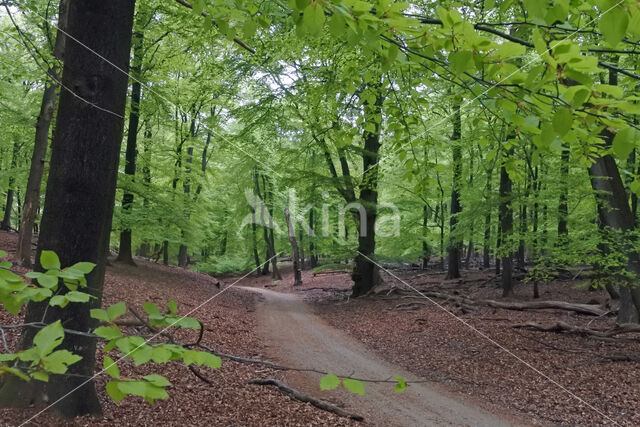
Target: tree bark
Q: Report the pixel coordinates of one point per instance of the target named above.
(81, 189)
(486, 249)
(5, 225)
(297, 272)
(506, 230)
(563, 210)
(41, 142)
(125, 252)
(365, 273)
(455, 243)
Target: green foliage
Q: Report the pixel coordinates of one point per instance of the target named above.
(331, 381)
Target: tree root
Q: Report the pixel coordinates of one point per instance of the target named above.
(321, 404)
(561, 327)
(589, 309)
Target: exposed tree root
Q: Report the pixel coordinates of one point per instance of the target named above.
(305, 398)
(537, 305)
(561, 327)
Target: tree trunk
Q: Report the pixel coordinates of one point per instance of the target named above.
(313, 257)
(506, 230)
(297, 273)
(365, 273)
(41, 142)
(425, 233)
(125, 253)
(165, 252)
(563, 210)
(455, 243)
(486, 259)
(81, 190)
(5, 225)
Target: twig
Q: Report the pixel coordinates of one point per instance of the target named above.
(321, 404)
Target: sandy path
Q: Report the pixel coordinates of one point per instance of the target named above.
(299, 338)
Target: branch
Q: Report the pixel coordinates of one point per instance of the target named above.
(205, 14)
(326, 406)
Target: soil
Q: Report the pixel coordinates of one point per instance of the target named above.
(469, 380)
(299, 338)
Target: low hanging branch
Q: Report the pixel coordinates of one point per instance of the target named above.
(321, 404)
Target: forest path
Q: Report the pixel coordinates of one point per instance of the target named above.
(299, 338)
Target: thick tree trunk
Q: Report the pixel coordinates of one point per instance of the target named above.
(41, 142)
(506, 231)
(81, 189)
(297, 271)
(365, 273)
(486, 245)
(455, 243)
(125, 252)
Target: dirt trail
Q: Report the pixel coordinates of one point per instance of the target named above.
(299, 338)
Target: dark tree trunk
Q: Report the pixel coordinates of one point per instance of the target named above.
(295, 255)
(365, 273)
(506, 231)
(8, 207)
(563, 210)
(313, 257)
(425, 233)
(455, 243)
(81, 189)
(125, 253)
(41, 142)
(165, 252)
(486, 249)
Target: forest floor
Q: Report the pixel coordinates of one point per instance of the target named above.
(542, 378)
(384, 334)
(230, 327)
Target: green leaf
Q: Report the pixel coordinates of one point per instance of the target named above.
(401, 386)
(161, 354)
(116, 310)
(75, 296)
(535, 8)
(47, 281)
(313, 19)
(562, 121)
(108, 332)
(40, 376)
(461, 60)
(99, 314)
(111, 367)
(329, 382)
(173, 307)
(83, 267)
(49, 260)
(201, 358)
(59, 300)
(623, 143)
(157, 380)
(113, 390)
(57, 362)
(613, 24)
(48, 338)
(142, 355)
(354, 386)
(7, 357)
(188, 323)
(150, 308)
